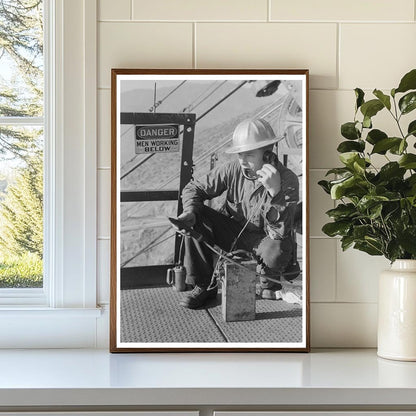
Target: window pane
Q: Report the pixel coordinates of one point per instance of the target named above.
(21, 207)
(21, 58)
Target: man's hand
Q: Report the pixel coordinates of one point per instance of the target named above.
(269, 176)
(188, 218)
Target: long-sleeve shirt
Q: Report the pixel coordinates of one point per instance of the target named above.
(243, 197)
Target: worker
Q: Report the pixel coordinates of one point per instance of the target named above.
(257, 216)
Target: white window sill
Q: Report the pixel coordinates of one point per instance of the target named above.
(36, 312)
(331, 379)
(40, 327)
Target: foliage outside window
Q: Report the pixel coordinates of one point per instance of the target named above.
(21, 143)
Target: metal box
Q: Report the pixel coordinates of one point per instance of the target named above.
(239, 292)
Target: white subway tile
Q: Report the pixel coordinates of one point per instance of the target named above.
(270, 45)
(343, 325)
(328, 110)
(104, 202)
(200, 10)
(103, 271)
(357, 275)
(322, 269)
(319, 203)
(142, 45)
(376, 55)
(114, 10)
(104, 129)
(341, 10)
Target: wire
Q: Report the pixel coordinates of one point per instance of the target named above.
(199, 96)
(205, 98)
(199, 118)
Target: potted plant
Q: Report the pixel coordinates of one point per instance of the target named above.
(376, 206)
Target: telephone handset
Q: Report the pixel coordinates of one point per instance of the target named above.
(269, 157)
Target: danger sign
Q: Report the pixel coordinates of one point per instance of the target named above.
(157, 138)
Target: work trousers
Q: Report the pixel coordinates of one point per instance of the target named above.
(218, 229)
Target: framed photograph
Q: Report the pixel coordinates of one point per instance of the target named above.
(209, 210)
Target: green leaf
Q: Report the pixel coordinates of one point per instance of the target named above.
(325, 186)
(375, 212)
(346, 242)
(408, 161)
(375, 136)
(369, 201)
(349, 186)
(348, 158)
(367, 248)
(361, 231)
(408, 82)
(367, 122)
(383, 145)
(393, 92)
(407, 240)
(349, 131)
(398, 149)
(391, 170)
(359, 95)
(385, 99)
(336, 228)
(408, 102)
(342, 211)
(411, 130)
(349, 146)
(371, 108)
(338, 171)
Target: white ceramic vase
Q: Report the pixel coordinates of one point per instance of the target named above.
(397, 312)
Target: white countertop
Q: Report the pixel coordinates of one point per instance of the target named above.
(96, 377)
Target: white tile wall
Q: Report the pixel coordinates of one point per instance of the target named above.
(345, 44)
(142, 45)
(358, 10)
(200, 10)
(271, 45)
(114, 10)
(323, 269)
(388, 54)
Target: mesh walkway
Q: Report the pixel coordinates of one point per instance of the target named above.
(154, 315)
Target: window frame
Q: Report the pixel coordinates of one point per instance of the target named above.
(70, 207)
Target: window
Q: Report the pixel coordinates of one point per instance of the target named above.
(21, 143)
(63, 312)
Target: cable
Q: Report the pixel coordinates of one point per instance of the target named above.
(209, 95)
(199, 96)
(199, 118)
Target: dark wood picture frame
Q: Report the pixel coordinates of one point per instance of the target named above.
(142, 318)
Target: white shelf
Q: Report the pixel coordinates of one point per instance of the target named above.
(39, 378)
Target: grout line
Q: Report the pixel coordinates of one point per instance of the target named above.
(338, 63)
(131, 9)
(336, 270)
(308, 22)
(100, 238)
(104, 168)
(194, 62)
(269, 10)
(343, 303)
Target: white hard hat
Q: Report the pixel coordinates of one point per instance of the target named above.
(252, 134)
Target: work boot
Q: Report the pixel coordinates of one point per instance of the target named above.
(198, 296)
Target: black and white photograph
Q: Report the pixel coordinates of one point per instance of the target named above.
(209, 210)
